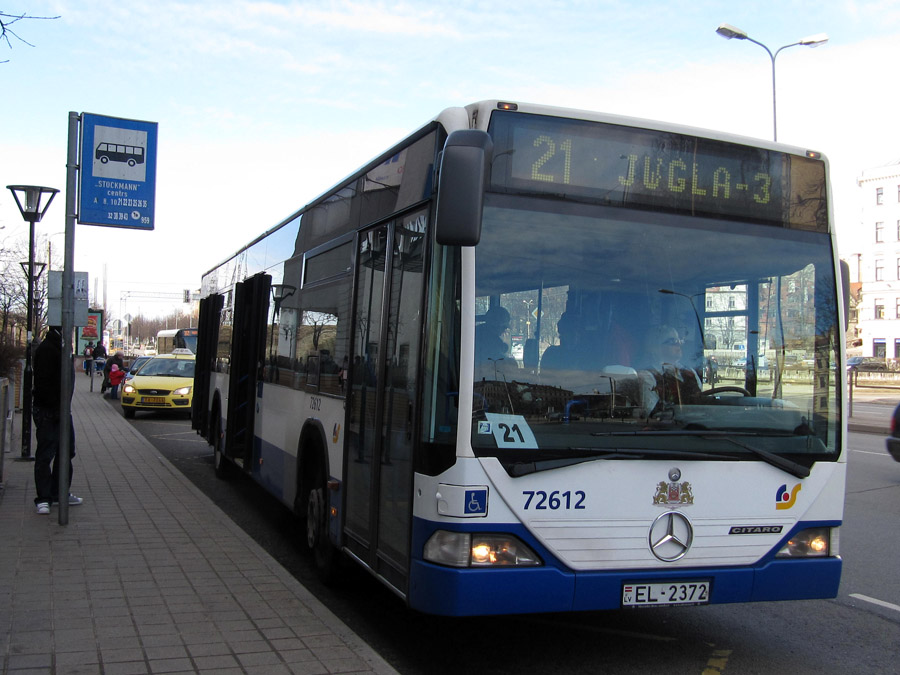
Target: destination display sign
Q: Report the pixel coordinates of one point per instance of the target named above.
(645, 168)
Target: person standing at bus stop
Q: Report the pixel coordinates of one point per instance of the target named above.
(99, 354)
(117, 359)
(116, 375)
(46, 400)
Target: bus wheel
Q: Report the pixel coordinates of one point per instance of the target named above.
(324, 553)
(220, 464)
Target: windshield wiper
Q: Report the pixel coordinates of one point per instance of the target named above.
(790, 466)
(787, 465)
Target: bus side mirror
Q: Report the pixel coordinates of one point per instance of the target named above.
(464, 173)
(845, 288)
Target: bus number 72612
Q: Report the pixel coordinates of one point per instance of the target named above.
(555, 500)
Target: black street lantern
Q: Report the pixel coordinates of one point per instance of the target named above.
(28, 199)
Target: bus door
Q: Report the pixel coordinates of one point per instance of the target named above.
(381, 410)
(251, 306)
(207, 339)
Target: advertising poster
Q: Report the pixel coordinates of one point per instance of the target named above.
(91, 331)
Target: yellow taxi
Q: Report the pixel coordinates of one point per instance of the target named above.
(165, 382)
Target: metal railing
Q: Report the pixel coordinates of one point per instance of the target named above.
(7, 410)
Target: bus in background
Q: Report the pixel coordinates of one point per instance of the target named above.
(169, 340)
(481, 366)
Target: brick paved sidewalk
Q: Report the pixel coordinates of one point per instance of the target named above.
(149, 576)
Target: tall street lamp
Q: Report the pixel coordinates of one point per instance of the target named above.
(28, 199)
(728, 32)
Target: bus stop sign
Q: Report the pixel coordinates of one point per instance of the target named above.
(118, 172)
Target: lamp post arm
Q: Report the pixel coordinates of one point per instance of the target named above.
(774, 105)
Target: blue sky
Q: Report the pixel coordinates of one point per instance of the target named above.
(264, 105)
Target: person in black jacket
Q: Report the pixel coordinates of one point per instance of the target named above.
(46, 400)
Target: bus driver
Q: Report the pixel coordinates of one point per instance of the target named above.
(667, 381)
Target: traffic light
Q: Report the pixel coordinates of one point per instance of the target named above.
(187, 296)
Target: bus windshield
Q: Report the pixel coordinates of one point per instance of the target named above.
(606, 329)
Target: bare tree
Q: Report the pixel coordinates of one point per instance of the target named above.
(14, 288)
(6, 31)
(12, 285)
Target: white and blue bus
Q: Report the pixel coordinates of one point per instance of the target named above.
(170, 339)
(490, 366)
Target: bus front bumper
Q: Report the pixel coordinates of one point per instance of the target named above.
(448, 591)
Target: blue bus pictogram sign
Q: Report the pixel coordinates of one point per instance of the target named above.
(118, 172)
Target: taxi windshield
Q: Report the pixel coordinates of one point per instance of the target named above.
(644, 331)
(167, 368)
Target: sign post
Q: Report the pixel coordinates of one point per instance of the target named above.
(117, 166)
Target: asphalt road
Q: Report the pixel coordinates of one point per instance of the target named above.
(857, 631)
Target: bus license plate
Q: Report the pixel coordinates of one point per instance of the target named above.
(673, 593)
(153, 399)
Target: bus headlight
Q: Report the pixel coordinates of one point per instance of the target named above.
(815, 542)
(463, 549)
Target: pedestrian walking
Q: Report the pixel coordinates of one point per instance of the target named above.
(88, 358)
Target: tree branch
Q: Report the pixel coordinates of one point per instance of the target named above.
(7, 20)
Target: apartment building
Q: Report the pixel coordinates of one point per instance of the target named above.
(876, 265)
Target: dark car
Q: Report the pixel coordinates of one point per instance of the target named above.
(893, 441)
(866, 363)
(136, 366)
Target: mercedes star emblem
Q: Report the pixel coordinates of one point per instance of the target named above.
(671, 535)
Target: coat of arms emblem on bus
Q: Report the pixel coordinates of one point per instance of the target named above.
(673, 493)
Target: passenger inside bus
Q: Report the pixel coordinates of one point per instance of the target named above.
(491, 352)
(564, 356)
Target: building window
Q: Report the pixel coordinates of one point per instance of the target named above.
(898, 308)
(879, 232)
(879, 270)
(879, 308)
(879, 196)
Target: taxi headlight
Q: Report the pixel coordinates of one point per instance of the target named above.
(182, 391)
(128, 389)
(816, 542)
(464, 549)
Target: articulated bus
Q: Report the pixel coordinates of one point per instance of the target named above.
(494, 366)
(171, 339)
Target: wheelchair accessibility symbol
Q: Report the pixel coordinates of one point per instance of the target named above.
(476, 502)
